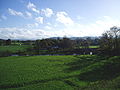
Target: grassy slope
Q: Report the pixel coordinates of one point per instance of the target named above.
(59, 73)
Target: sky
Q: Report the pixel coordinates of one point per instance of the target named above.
(38, 19)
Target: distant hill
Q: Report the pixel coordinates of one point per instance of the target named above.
(74, 38)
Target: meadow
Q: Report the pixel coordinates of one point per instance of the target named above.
(14, 48)
(70, 72)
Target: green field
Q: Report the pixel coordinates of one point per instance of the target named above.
(83, 72)
(14, 48)
(93, 46)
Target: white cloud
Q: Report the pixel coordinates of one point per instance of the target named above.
(63, 17)
(28, 14)
(32, 7)
(48, 27)
(39, 20)
(92, 29)
(49, 23)
(4, 17)
(34, 25)
(25, 34)
(15, 13)
(48, 12)
(21, 33)
(35, 10)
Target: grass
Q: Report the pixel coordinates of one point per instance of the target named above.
(14, 48)
(97, 46)
(83, 72)
(93, 46)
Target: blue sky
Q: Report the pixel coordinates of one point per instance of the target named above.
(36, 19)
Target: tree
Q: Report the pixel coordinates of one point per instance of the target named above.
(8, 42)
(45, 44)
(66, 43)
(110, 42)
(37, 46)
(1, 42)
(85, 44)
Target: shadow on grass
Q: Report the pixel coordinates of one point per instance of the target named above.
(82, 62)
(107, 70)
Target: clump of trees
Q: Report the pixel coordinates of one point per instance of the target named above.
(5, 42)
(66, 43)
(64, 46)
(110, 42)
(8, 42)
(53, 44)
(42, 45)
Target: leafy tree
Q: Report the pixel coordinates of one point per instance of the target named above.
(85, 44)
(8, 42)
(110, 42)
(37, 46)
(1, 42)
(43, 44)
(66, 43)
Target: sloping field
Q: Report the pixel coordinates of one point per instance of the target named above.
(59, 73)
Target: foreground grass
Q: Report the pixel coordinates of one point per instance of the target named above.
(59, 73)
